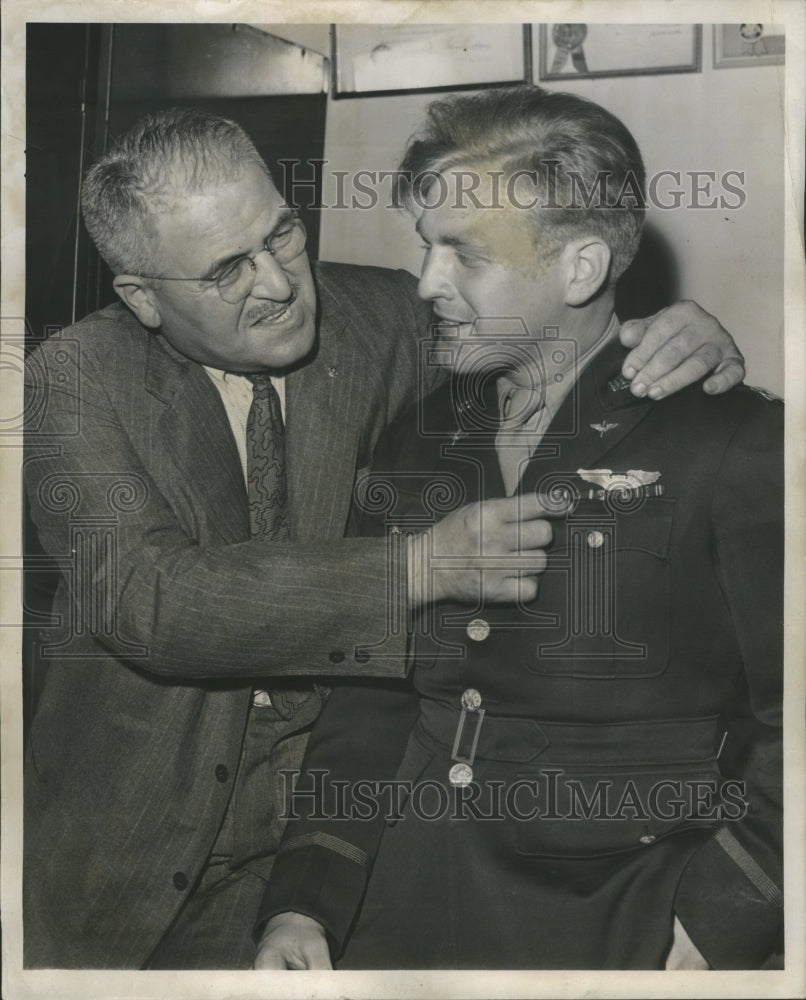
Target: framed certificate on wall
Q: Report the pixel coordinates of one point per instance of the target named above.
(747, 45)
(381, 59)
(569, 51)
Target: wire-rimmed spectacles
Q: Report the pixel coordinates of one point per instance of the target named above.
(237, 279)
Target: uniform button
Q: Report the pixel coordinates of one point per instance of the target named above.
(460, 774)
(478, 630)
(221, 772)
(180, 881)
(647, 838)
(595, 539)
(471, 700)
(362, 657)
(336, 656)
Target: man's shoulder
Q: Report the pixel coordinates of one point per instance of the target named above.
(335, 277)
(361, 288)
(742, 405)
(103, 335)
(706, 432)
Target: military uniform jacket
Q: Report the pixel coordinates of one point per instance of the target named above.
(167, 611)
(640, 694)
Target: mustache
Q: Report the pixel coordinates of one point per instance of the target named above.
(259, 313)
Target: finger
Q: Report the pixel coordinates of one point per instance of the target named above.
(727, 375)
(632, 331)
(658, 330)
(269, 958)
(683, 327)
(512, 590)
(525, 507)
(533, 535)
(656, 383)
(516, 537)
(500, 566)
(317, 955)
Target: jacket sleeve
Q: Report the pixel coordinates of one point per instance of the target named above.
(177, 604)
(340, 805)
(730, 897)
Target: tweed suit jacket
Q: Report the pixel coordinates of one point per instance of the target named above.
(655, 642)
(167, 611)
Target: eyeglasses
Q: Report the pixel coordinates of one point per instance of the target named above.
(237, 279)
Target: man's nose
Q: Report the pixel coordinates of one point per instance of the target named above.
(271, 280)
(435, 281)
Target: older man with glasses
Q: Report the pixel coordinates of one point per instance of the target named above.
(192, 452)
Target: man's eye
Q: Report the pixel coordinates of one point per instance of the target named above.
(280, 237)
(469, 260)
(230, 273)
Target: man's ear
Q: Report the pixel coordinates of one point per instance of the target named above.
(139, 298)
(588, 268)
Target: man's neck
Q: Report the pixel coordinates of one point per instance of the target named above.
(551, 363)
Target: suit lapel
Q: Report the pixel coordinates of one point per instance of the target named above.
(197, 434)
(326, 402)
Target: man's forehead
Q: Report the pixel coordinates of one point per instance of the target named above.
(186, 185)
(483, 219)
(215, 219)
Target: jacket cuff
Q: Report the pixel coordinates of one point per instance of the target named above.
(730, 908)
(324, 878)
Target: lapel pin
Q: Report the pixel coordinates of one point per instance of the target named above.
(332, 371)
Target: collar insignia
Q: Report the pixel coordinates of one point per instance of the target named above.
(603, 428)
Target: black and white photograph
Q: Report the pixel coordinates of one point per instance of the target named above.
(403, 475)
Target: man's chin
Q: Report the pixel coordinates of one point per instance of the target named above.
(292, 350)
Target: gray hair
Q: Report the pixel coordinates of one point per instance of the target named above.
(166, 153)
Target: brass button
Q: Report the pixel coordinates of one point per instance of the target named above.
(478, 630)
(595, 539)
(471, 700)
(460, 774)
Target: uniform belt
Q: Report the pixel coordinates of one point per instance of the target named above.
(519, 740)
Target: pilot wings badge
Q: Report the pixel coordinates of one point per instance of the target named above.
(635, 482)
(603, 428)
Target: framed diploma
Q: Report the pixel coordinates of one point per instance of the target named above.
(591, 50)
(382, 59)
(747, 45)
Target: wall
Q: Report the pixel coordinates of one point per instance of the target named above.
(730, 261)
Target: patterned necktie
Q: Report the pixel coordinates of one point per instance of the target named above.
(268, 502)
(265, 463)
